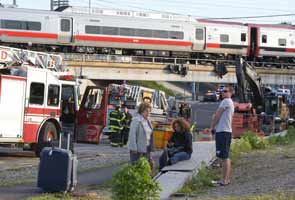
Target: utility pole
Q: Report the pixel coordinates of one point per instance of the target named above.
(14, 3)
(89, 6)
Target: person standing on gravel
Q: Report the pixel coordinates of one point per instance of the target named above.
(140, 141)
(222, 127)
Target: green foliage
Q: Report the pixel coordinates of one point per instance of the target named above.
(247, 142)
(201, 182)
(239, 146)
(54, 196)
(277, 140)
(276, 196)
(153, 85)
(289, 138)
(255, 142)
(135, 183)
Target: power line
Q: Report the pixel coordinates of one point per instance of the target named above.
(115, 4)
(181, 4)
(253, 17)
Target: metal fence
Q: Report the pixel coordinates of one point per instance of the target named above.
(168, 60)
(141, 59)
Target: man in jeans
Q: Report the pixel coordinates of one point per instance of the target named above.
(222, 126)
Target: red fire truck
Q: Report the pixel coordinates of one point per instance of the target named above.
(38, 100)
(33, 94)
(98, 102)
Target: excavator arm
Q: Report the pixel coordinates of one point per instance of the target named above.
(248, 78)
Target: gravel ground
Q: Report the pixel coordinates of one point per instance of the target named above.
(259, 172)
(19, 170)
(24, 169)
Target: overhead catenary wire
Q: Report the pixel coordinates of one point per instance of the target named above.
(254, 17)
(182, 4)
(115, 5)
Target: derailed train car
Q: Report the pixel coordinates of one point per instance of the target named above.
(148, 34)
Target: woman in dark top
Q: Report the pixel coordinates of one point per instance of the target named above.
(179, 146)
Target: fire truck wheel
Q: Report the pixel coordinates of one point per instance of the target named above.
(47, 137)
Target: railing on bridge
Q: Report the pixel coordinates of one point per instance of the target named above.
(167, 60)
(142, 59)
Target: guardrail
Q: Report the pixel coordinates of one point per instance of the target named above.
(167, 60)
(141, 59)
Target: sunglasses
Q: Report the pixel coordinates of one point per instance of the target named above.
(225, 91)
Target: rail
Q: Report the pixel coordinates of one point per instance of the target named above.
(168, 60)
(141, 59)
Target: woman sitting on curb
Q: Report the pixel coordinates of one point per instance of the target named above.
(179, 147)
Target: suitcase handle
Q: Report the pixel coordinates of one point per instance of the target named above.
(68, 140)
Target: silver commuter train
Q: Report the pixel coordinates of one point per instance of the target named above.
(143, 34)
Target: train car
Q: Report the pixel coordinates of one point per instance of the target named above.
(156, 37)
(144, 34)
(276, 41)
(224, 39)
(35, 27)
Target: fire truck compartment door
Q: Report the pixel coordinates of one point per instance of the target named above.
(12, 101)
(91, 116)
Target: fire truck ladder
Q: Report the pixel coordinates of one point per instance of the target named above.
(10, 57)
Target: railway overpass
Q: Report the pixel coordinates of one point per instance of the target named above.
(115, 67)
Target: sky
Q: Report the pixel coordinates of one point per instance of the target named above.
(195, 8)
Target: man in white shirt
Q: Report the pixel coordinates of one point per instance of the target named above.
(222, 126)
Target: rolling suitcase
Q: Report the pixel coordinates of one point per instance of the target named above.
(57, 169)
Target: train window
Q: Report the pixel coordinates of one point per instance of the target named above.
(160, 34)
(53, 95)
(65, 25)
(92, 29)
(243, 37)
(13, 24)
(199, 34)
(282, 42)
(143, 33)
(224, 38)
(126, 31)
(35, 26)
(23, 25)
(264, 38)
(37, 93)
(176, 35)
(106, 30)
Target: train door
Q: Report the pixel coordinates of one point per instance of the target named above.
(91, 117)
(199, 39)
(65, 34)
(254, 45)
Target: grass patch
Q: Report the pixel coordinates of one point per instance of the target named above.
(286, 195)
(83, 171)
(288, 139)
(60, 196)
(201, 182)
(55, 196)
(249, 141)
(104, 186)
(17, 182)
(153, 85)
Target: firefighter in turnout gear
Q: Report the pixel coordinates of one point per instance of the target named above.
(116, 125)
(127, 122)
